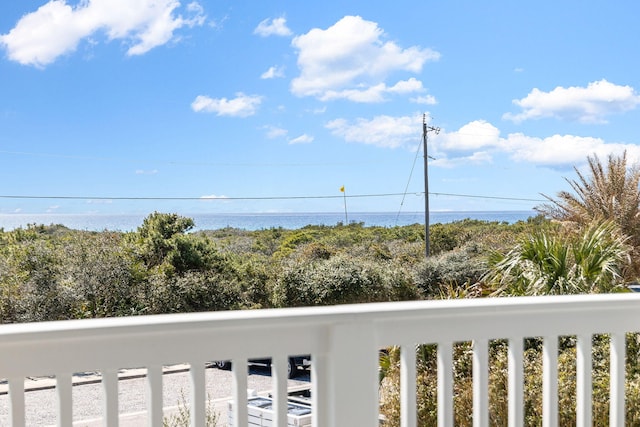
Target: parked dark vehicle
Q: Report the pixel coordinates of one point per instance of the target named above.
(294, 363)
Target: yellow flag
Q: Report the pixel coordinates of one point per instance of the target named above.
(342, 189)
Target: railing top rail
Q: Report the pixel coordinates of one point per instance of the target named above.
(113, 343)
(377, 312)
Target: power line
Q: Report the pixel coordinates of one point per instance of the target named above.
(489, 197)
(351, 196)
(406, 188)
(185, 162)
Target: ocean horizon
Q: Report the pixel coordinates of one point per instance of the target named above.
(257, 221)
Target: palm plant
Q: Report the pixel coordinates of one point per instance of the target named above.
(546, 263)
(609, 192)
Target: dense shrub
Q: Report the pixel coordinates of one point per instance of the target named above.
(33, 273)
(255, 276)
(97, 269)
(191, 292)
(340, 280)
(193, 253)
(461, 267)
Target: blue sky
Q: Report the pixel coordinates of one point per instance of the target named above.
(272, 106)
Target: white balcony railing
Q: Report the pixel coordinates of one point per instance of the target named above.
(344, 343)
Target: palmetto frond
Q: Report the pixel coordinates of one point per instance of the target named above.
(606, 192)
(546, 263)
(609, 192)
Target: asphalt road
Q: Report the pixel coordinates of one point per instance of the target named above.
(87, 398)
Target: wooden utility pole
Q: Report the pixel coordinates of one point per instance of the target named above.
(425, 130)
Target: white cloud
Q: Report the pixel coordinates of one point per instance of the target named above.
(475, 135)
(382, 131)
(273, 27)
(407, 86)
(373, 93)
(272, 73)
(351, 60)
(426, 100)
(589, 104)
(57, 28)
(240, 106)
(564, 150)
(302, 139)
(146, 172)
(480, 141)
(275, 132)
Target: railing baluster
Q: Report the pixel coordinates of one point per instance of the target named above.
(16, 394)
(583, 381)
(279, 377)
(408, 406)
(320, 390)
(198, 394)
(239, 374)
(516, 382)
(110, 390)
(617, 380)
(354, 386)
(550, 381)
(65, 399)
(445, 384)
(154, 395)
(480, 383)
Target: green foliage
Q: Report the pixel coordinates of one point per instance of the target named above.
(157, 237)
(459, 268)
(97, 269)
(193, 253)
(550, 263)
(296, 239)
(485, 234)
(255, 277)
(339, 280)
(190, 292)
(609, 192)
(30, 280)
(50, 272)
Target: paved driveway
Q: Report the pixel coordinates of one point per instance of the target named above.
(87, 396)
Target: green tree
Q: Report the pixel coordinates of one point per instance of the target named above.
(156, 237)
